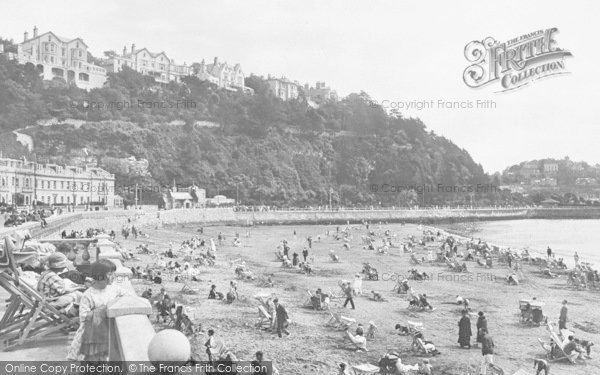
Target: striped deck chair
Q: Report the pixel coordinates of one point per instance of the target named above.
(29, 315)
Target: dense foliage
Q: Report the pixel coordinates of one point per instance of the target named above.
(255, 146)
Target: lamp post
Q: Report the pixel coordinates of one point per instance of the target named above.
(35, 181)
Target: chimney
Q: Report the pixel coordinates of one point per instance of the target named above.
(35, 31)
(216, 60)
(132, 48)
(25, 36)
(124, 50)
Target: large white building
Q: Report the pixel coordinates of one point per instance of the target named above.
(58, 57)
(157, 65)
(283, 88)
(220, 73)
(22, 182)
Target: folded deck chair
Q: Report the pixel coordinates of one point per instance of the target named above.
(29, 315)
(340, 322)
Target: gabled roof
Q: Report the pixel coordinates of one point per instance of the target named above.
(61, 38)
(153, 54)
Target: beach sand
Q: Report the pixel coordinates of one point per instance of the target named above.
(314, 348)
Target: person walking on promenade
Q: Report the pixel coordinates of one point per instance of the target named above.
(282, 317)
(464, 331)
(349, 296)
(562, 320)
(305, 254)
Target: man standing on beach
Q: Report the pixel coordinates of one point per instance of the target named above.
(487, 350)
(549, 252)
(281, 316)
(349, 296)
(464, 330)
(562, 320)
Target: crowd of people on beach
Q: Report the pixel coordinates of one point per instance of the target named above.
(86, 293)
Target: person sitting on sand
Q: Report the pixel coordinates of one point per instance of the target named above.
(547, 273)
(424, 302)
(377, 297)
(425, 367)
(358, 340)
(462, 301)
(572, 349)
(512, 279)
(213, 292)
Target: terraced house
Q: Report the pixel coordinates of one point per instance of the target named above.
(155, 64)
(58, 57)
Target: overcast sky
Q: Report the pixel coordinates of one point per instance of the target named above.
(394, 50)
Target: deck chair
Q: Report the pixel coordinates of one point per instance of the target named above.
(557, 353)
(420, 348)
(340, 322)
(264, 318)
(308, 300)
(29, 315)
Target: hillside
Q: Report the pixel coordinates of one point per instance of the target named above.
(269, 150)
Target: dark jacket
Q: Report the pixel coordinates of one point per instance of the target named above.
(281, 313)
(487, 345)
(481, 325)
(464, 331)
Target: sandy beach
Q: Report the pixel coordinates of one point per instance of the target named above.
(314, 348)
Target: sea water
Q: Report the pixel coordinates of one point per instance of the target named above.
(563, 236)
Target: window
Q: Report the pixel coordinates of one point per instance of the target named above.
(80, 53)
(68, 200)
(26, 182)
(17, 182)
(62, 185)
(64, 51)
(68, 185)
(62, 199)
(53, 184)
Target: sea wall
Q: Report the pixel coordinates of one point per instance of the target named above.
(229, 217)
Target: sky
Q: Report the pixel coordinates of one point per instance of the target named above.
(396, 51)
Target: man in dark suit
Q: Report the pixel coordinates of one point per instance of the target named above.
(281, 316)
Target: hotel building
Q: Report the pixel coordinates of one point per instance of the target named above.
(21, 181)
(58, 57)
(157, 65)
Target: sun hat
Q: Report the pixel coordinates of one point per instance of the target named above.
(57, 261)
